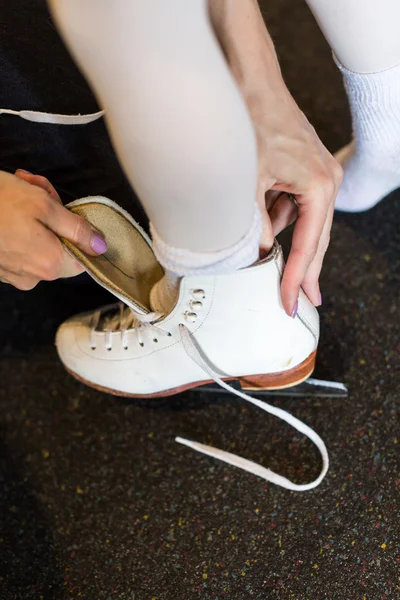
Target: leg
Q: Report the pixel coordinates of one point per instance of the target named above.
(364, 34)
(182, 131)
(186, 140)
(364, 37)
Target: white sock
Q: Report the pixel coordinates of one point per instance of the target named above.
(372, 161)
(178, 263)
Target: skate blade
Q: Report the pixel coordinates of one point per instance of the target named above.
(317, 388)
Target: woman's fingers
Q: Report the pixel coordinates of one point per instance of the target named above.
(283, 213)
(21, 282)
(64, 223)
(39, 181)
(311, 280)
(70, 267)
(310, 224)
(267, 236)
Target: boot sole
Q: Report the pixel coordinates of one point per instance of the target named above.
(254, 383)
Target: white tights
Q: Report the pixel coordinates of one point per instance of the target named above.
(364, 34)
(182, 131)
(176, 117)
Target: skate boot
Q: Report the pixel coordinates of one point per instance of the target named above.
(229, 329)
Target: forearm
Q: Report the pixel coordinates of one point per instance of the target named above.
(240, 28)
(249, 49)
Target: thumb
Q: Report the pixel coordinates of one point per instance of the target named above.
(66, 224)
(74, 228)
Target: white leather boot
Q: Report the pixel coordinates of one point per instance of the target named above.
(222, 328)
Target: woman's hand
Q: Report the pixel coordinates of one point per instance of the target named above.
(293, 159)
(31, 219)
(291, 156)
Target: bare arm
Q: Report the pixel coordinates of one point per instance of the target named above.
(244, 37)
(291, 156)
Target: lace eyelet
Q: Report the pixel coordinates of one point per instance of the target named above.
(190, 317)
(93, 348)
(141, 344)
(125, 347)
(198, 294)
(155, 340)
(109, 349)
(169, 334)
(195, 304)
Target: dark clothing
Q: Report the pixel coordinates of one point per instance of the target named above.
(37, 73)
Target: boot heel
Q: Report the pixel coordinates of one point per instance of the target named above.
(285, 379)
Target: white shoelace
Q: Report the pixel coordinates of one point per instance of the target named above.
(127, 318)
(123, 320)
(54, 119)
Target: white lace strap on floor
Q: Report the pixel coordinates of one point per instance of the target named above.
(43, 117)
(237, 461)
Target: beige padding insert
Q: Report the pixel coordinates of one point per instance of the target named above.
(129, 266)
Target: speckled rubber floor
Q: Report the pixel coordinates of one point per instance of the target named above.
(98, 502)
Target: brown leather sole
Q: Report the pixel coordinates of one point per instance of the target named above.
(271, 381)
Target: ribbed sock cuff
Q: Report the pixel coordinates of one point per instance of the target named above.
(183, 262)
(375, 102)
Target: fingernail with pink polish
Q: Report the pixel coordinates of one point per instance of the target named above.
(320, 300)
(98, 244)
(295, 309)
(24, 171)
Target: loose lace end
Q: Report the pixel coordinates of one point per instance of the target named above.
(237, 461)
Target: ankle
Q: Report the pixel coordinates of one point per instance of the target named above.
(179, 262)
(184, 262)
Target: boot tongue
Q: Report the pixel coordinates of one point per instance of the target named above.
(129, 268)
(109, 318)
